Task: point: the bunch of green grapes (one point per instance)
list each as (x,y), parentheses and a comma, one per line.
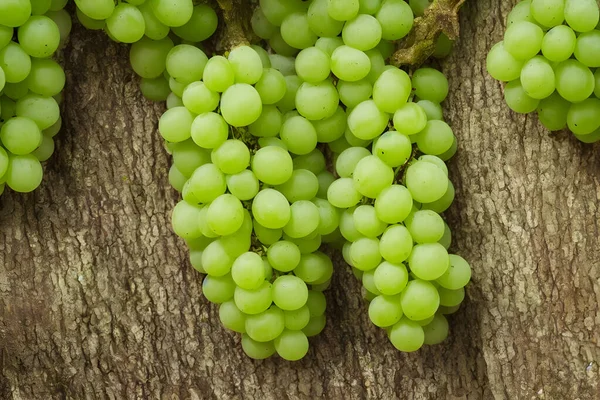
(550,59)
(250,213)
(154,27)
(31,83)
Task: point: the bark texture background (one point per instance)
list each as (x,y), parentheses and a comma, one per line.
(98,301)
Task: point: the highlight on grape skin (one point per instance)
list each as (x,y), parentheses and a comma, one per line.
(548,59)
(247,130)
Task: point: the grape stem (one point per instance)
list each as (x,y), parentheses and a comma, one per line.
(236,18)
(419,45)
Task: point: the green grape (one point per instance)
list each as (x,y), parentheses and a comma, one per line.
(246,65)
(175,124)
(552,112)
(362,32)
(386,47)
(186,63)
(314,326)
(371,176)
(261,25)
(231,157)
(369,6)
(451,298)
(253,301)
(153,27)
(24,173)
(420,300)
(329,217)
(426,182)
(296,32)
(43,110)
(276,10)
(299,135)
(393,204)
(332,128)
(307,245)
(14,13)
(366,121)
(225,215)
(436,138)
(39,36)
(521,12)
(148,57)
(457,275)
(574,81)
(304,219)
(6,35)
(231,317)
(126,24)
(366,221)
(350,64)
(590,138)
(241,105)
(297,319)
(312,65)
(288,102)
(385,310)
(283,255)
(176,178)
(243,185)
(184,220)
(302,185)
(285,65)
(15,63)
(435,160)
(587,49)
(559,43)
(548,13)
(426,226)
(20,135)
(523,40)
(390,279)
(329,44)
(156,89)
(437,330)
(50,132)
(320,22)
(325,179)
(343,10)
(442,204)
(315,101)
(314,268)
(271,87)
(218,74)
(581,15)
(354,93)
(218,289)
(280,46)
(209,130)
(201,25)
(419,6)
(291,345)
(354,141)
(289,292)
(271,209)
(4,161)
(407,335)
(267,157)
(430,84)
(396,19)
(90,23)
(257,350)
(96,9)
(517,100)
(268,124)
(502,66)
(410,119)
(537,78)
(62,19)
(187,156)
(265,326)
(173,13)
(583,118)
(16,91)
(597,83)
(392,90)
(199,99)
(443,46)
(39,7)
(313,161)
(316,303)
(207,183)
(248,271)
(429,261)
(342,193)
(46,78)
(348,230)
(364,254)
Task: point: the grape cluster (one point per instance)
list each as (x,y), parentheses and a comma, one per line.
(31,83)
(550,59)
(160,31)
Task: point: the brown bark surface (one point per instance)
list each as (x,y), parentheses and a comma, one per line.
(98,301)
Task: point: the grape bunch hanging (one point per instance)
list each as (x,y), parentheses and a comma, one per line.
(303,138)
(550,59)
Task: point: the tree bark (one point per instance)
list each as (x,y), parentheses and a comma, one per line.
(98,300)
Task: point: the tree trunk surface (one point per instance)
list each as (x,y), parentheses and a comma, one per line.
(98,300)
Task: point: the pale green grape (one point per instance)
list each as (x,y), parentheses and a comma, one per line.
(218,74)
(261,25)
(316,101)
(299,135)
(329,217)
(241,105)
(246,65)
(442,204)
(574,81)
(209,130)
(280,46)
(153,27)
(96,9)
(371,176)
(271,209)
(430,84)
(342,193)
(354,93)
(265,235)
(364,254)
(426,182)
(148,57)
(362,32)
(218,289)
(199,99)
(420,300)
(396,19)
(187,156)
(590,138)
(537,78)
(39,36)
(407,335)
(523,40)
(207,183)
(15,63)
(419,6)
(231,157)
(581,15)
(185,220)
(312,65)
(271,87)
(268,124)
(20,135)
(302,185)
(283,255)
(291,345)
(520,12)
(396,244)
(437,330)
(288,102)
(517,100)
(304,219)
(347,160)
(126,24)
(330,129)
(502,66)
(243,185)
(297,319)
(350,64)
(366,221)
(176,178)
(231,317)
(429,261)
(392,90)
(266,159)
(201,25)
(314,268)
(289,292)
(24,173)
(559,43)
(587,49)
(41,109)
(583,118)
(253,301)
(248,271)
(316,303)
(436,138)
(257,350)
(329,44)
(276,10)
(343,10)
(457,275)
(4,161)
(6,35)
(451,298)
(265,326)
(313,161)
(314,326)
(426,226)
(325,179)
(62,19)
(320,22)
(548,13)
(285,65)
(225,215)
(186,63)
(552,112)
(173,13)
(410,119)
(393,204)
(14,13)
(175,124)
(366,121)
(385,310)
(90,23)
(390,279)
(156,89)
(296,32)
